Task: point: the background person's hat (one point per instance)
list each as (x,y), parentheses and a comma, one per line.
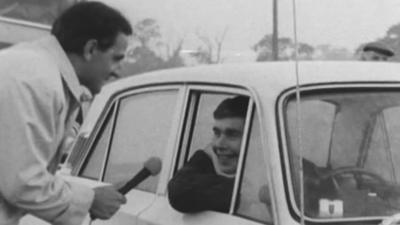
(379,48)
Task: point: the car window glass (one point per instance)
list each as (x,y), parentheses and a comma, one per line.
(92,169)
(383,155)
(254,198)
(320,121)
(360,176)
(141,131)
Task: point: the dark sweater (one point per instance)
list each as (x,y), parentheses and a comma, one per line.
(197,187)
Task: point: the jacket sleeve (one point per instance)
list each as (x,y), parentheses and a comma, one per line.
(196,187)
(28,141)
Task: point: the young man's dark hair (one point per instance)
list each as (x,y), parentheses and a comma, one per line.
(232,107)
(89,20)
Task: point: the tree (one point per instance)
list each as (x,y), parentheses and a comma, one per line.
(147,31)
(306,51)
(286,49)
(264,49)
(174,58)
(209,52)
(146,53)
(329,52)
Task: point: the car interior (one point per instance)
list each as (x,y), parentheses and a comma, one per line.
(348,156)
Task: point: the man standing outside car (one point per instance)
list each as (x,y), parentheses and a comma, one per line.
(376,51)
(40,93)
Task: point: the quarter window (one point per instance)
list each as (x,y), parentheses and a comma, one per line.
(217,138)
(141,131)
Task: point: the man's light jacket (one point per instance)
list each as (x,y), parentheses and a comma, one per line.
(39,96)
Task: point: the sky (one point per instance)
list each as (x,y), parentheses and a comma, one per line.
(341,23)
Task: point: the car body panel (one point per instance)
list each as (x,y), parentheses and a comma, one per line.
(161,212)
(269,85)
(137,202)
(266,83)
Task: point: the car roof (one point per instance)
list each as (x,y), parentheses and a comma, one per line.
(267,80)
(277,76)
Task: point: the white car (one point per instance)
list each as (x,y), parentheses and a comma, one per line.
(321,143)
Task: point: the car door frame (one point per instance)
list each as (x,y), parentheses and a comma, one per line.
(161,204)
(132,208)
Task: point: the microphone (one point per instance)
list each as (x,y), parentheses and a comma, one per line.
(150,168)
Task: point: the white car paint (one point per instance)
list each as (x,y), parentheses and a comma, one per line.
(265,82)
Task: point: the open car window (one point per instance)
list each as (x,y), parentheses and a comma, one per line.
(250,175)
(349,149)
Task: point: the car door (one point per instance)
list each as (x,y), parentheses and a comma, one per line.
(138,125)
(252,173)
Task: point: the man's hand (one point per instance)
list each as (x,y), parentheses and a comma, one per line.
(106,203)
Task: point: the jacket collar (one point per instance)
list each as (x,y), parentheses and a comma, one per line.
(51,45)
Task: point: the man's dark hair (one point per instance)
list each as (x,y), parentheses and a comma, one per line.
(232,107)
(89,20)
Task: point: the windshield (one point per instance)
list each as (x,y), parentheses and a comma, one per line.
(350,152)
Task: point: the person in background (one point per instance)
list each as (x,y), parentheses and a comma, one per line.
(206,181)
(40,95)
(376,51)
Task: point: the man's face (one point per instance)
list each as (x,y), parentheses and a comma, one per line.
(226,142)
(103,65)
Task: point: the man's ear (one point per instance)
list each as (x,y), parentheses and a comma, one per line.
(89,49)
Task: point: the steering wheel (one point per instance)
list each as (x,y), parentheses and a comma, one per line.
(358,174)
(387,192)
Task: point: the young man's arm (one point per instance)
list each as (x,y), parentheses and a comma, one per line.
(196,187)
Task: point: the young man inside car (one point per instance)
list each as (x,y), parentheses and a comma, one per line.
(206,181)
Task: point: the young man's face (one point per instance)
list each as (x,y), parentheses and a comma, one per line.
(226,142)
(104,64)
